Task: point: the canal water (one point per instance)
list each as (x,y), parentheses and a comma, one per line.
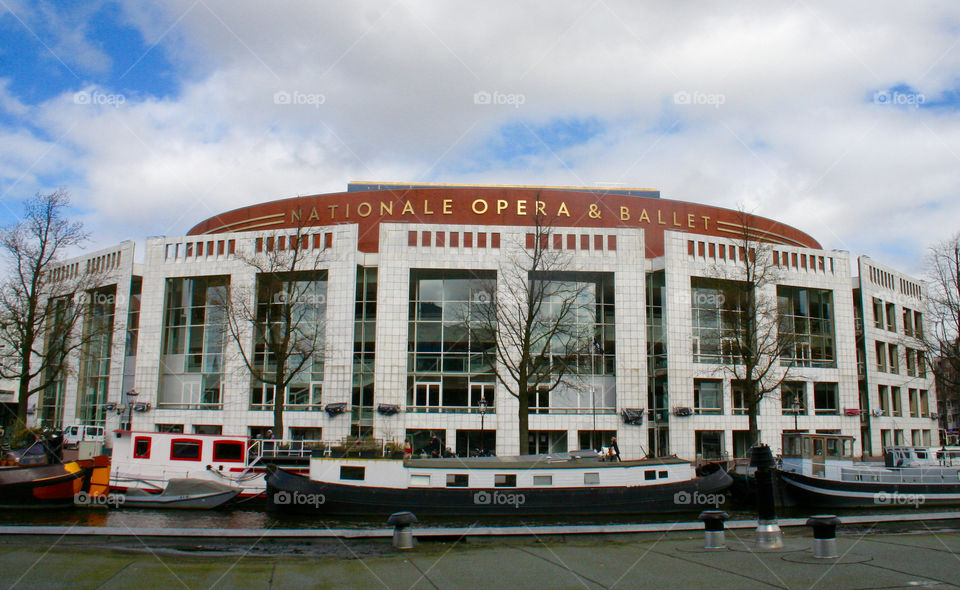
(255,517)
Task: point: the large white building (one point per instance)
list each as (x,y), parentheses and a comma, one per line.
(393,269)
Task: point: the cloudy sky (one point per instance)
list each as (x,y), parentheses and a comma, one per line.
(843,121)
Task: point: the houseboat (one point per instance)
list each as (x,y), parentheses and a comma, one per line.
(565,483)
(148,461)
(819,470)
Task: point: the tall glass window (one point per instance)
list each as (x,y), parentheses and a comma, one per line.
(715,322)
(291,306)
(806,326)
(191,362)
(448,370)
(95,355)
(364,351)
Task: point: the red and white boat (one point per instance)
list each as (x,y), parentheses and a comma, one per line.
(149,460)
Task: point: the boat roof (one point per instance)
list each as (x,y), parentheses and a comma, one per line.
(575,460)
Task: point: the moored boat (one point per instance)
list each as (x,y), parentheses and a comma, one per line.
(181,494)
(51,486)
(819,470)
(561,484)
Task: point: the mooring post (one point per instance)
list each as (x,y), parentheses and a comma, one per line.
(402,532)
(769,535)
(824,535)
(714,536)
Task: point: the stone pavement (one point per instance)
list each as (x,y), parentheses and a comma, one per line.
(871,557)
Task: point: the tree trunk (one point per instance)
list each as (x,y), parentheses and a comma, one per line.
(523,421)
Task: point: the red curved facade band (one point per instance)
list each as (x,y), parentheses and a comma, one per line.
(500,206)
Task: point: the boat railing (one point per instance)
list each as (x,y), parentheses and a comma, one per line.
(921,475)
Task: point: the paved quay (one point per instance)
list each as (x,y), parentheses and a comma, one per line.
(872,556)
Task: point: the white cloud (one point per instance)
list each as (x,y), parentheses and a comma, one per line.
(796,136)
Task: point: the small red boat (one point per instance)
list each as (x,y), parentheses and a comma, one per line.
(53,485)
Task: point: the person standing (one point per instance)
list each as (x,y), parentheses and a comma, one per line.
(614,450)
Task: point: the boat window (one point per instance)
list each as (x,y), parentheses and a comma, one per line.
(458,480)
(818,447)
(352,472)
(543,480)
(227,451)
(141,447)
(420,480)
(185,450)
(650,474)
(921,453)
(663,474)
(505,480)
(591,478)
(807,447)
(833,447)
(74,430)
(847,448)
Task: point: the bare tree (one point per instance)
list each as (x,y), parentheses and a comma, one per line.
(278,325)
(531,321)
(39,307)
(942,341)
(757,346)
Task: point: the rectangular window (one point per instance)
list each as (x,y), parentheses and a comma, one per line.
(458,480)
(924,403)
(793,398)
(505,480)
(419,481)
(708,396)
(826,398)
(892,317)
(881,350)
(650,474)
(914,398)
(877,314)
(884,393)
(350,472)
(897,402)
(918,324)
(806,332)
(228,451)
(543,480)
(141,447)
(716,320)
(908,321)
(591,478)
(910,355)
(709,444)
(894,357)
(185,450)
(740,405)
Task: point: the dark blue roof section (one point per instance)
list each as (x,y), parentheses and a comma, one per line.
(361,186)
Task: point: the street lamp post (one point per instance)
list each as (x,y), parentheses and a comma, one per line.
(483,414)
(796,410)
(131,396)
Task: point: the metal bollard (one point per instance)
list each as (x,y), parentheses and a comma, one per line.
(402,533)
(769,535)
(824,535)
(714,536)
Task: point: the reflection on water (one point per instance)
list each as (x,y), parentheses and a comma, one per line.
(253,517)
